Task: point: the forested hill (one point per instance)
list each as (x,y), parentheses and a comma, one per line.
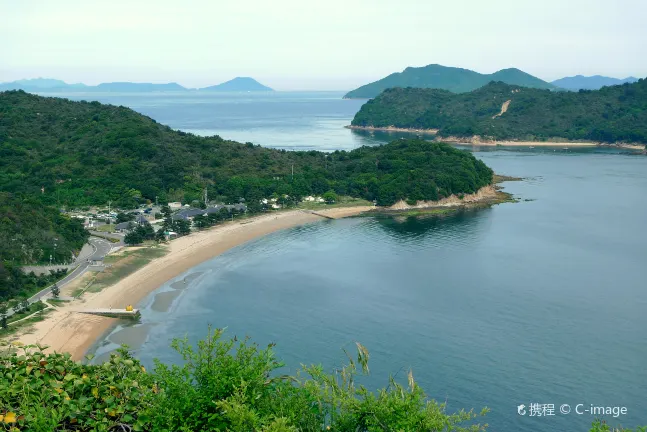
(611,114)
(436,76)
(78,153)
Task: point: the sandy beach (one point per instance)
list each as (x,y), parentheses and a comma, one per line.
(394,129)
(67,330)
(478,142)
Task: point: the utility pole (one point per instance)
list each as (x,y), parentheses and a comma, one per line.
(156,204)
(205,196)
(109,202)
(292,172)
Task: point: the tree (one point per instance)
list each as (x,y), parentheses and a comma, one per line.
(201,222)
(330,197)
(160,235)
(24,305)
(133,238)
(125,217)
(56,291)
(182,227)
(3,315)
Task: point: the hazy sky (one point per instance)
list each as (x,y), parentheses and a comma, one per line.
(325,44)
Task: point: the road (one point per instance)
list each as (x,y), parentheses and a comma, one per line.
(101,249)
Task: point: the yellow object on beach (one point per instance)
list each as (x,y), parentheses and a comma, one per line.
(129,308)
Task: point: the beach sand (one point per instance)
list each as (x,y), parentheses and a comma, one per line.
(65,330)
(483,143)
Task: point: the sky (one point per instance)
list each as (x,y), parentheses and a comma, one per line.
(315,45)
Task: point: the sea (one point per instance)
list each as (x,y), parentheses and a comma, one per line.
(535,309)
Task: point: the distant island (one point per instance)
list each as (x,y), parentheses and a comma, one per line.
(239,84)
(453,79)
(48,85)
(501,111)
(596,82)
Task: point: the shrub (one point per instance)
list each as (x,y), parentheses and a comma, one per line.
(222,385)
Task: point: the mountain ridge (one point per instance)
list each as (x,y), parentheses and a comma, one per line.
(594,82)
(456,80)
(50,85)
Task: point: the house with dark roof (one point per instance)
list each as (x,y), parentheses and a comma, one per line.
(124,226)
(127,226)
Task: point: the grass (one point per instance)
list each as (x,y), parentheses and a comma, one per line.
(24,325)
(55,302)
(34,307)
(77,284)
(124,264)
(106,228)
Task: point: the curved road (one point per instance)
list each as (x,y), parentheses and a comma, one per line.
(101,249)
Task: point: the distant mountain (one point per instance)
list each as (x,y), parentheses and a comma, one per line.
(596,82)
(136,87)
(38,84)
(49,85)
(239,84)
(456,80)
(499,111)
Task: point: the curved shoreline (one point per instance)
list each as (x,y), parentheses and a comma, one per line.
(477,141)
(393,129)
(67,331)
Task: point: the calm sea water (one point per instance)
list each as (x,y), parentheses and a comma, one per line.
(541,301)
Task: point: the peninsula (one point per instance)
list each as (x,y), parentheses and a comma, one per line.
(58,153)
(500,113)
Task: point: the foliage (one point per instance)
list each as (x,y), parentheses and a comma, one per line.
(221,385)
(603,426)
(30,232)
(330,197)
(456,80)
(141,232)
(125,217)
(611,114)
(46,392)
(88,153)
(15,283)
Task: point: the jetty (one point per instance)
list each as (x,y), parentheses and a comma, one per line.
(319,214)
(113,313)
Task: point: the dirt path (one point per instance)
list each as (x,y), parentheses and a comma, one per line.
(504,108)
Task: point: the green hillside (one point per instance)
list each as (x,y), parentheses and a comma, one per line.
(31,233)
(57,153)
(610,114)
(455,80)
(87,153)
